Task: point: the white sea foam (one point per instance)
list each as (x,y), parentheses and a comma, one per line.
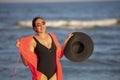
(74,24)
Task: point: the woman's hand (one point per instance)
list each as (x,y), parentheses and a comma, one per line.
(17,43)
(68,37)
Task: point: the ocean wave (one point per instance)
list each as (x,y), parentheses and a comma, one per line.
(74,24)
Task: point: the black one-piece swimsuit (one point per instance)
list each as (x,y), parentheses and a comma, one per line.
(46,58)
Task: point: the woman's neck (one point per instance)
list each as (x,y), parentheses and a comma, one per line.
(42,35)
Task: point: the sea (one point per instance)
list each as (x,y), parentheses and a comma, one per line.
(103,64)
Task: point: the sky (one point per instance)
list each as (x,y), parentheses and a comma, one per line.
(29,1)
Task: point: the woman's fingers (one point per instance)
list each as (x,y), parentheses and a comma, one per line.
(17,43)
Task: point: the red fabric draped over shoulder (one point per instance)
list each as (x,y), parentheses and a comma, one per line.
(31,57)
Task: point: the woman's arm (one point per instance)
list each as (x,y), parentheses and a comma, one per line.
(66,40)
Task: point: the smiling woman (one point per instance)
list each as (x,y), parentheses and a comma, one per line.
(44,52)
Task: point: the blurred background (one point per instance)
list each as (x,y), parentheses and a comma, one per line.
(99,19)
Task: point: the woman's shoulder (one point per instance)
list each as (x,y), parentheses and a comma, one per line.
(26,39)
(53,35)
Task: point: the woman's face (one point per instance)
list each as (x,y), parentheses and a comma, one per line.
(40,26)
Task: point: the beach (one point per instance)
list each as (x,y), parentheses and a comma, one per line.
(103,64)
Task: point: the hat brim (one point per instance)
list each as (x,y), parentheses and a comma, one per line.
(79,47)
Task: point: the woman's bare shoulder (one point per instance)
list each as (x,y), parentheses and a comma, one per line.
(32,44)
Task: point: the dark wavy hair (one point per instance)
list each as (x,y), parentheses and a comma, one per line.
(34,20)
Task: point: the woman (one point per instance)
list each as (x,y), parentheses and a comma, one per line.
(41,52)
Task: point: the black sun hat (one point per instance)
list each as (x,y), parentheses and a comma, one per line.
(79,47)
